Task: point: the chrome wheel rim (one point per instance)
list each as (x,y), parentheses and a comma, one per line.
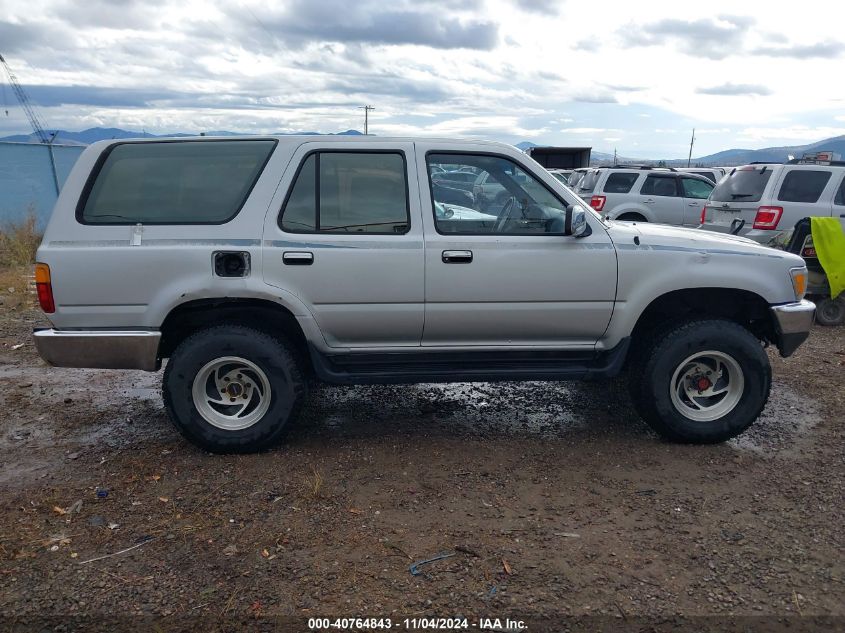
(231,393)
(707,386)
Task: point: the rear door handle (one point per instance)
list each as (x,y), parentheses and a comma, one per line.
(648,201)
(298,258)
(693,204)
(457,257)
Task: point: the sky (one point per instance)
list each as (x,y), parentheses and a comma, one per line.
(630,76)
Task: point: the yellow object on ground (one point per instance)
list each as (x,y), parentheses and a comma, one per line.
(829,242)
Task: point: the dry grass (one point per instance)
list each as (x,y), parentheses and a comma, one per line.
(314,485)
(18,242)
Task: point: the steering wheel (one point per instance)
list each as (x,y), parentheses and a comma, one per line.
(504,215)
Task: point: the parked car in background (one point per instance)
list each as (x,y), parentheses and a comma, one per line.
(561,174)
(455,179)
(712,173)
(451,195)
(646,194)
(576,176)
(767,200)
(490,192)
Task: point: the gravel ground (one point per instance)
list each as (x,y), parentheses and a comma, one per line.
(555,499)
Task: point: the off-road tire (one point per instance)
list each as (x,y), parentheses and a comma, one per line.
(659,354)
(270,353)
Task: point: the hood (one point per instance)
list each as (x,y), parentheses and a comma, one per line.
(662,236)
(693,239)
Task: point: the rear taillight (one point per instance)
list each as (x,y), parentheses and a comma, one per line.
(597,202)
(767,218)
(703,215)
(44,288)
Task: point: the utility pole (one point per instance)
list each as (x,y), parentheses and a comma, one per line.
(691,141)
(614,157)
(366,109)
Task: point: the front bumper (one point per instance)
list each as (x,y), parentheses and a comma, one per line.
(793,322)
(99,349)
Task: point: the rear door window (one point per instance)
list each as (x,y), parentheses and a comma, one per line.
(697,189)
(349,192)
(167,182)
(743,184)
(802,185)
(655,185)
(840,194)
(620,182)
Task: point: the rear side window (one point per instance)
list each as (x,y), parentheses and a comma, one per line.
(349,192)
(659,186)
(743,184)
(620,182)
(184,182)
(697,189)
(840,194)
(803,185)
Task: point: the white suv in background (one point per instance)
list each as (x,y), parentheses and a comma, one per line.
(712,173)
(646,194)
(767,200)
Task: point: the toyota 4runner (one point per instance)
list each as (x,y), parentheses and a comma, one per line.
(256,266)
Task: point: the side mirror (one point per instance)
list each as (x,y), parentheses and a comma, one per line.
(576,222)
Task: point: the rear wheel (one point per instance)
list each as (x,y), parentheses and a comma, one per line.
(700,382)
(831,311)
(232,389)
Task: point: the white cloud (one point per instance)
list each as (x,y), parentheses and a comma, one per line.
(442,67)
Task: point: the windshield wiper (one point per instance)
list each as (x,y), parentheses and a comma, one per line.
(741,195)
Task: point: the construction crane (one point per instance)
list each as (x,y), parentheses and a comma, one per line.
(26,104)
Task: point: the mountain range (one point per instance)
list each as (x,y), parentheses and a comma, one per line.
(725,158)
(728,157)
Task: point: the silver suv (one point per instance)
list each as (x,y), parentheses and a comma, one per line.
(646,194)
(765,201)
(714,174)
(251,267)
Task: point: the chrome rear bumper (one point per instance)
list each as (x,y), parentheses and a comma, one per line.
(793,322)
(99,349)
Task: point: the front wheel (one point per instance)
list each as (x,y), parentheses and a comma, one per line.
(232,389)
(701,382)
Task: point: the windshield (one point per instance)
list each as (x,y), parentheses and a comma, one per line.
(743,184)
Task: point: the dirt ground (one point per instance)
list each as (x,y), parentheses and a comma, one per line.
(554,498)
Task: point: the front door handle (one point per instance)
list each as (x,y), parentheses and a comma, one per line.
(298,258)
(457,257)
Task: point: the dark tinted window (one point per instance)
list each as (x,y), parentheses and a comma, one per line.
(801,185)
(620,182)
(186,182)
(659,186)
(301,209)
(840,194)
(697,189)
(743,184)
(357,192)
